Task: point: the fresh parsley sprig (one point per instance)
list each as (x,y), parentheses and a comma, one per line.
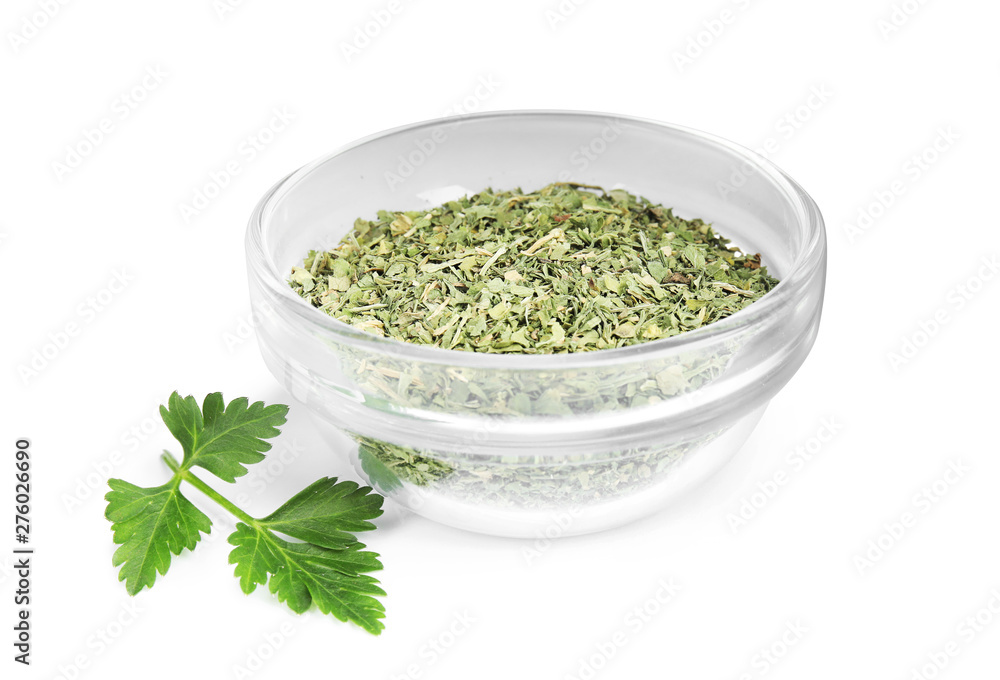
(326,565)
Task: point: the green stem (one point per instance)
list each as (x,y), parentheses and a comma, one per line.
(190,478)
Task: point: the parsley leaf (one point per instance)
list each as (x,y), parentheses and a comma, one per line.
(302,573)
(316,571)
(151,524)
(329,567)
(325,512)
(377,471)
(222,439)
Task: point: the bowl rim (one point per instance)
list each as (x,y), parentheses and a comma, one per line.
(807,261)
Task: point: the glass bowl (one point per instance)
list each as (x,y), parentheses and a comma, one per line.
(539,445)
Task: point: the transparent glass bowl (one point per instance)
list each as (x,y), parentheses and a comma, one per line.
(539,445)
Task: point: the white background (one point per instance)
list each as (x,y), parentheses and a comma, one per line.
(890,92)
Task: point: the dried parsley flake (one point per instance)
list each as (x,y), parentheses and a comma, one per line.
(559,270)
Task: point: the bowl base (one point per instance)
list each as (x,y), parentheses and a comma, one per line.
(550,523)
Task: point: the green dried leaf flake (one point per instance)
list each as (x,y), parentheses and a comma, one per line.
(567,268)
(491,272)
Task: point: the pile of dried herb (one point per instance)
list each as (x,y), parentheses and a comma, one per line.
(568,268)
(559,270)
(534,481)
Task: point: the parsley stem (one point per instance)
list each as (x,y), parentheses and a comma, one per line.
(189,477)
